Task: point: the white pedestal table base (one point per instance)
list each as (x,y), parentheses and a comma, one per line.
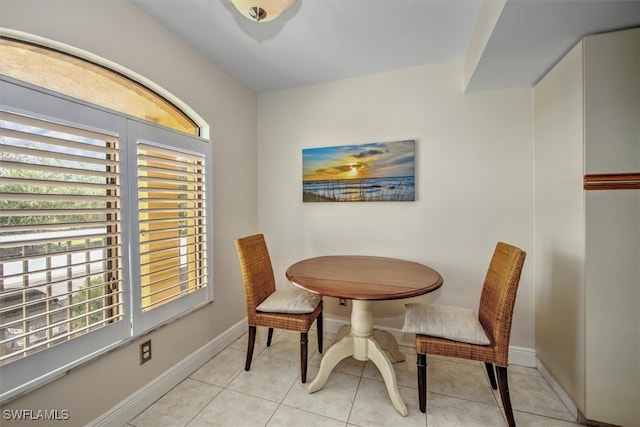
(361,342)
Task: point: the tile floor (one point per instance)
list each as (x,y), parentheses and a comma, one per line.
(221,393)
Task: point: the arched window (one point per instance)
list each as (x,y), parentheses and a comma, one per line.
(105,213)
(90,82)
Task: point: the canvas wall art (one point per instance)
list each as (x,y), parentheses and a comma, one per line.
(372,172)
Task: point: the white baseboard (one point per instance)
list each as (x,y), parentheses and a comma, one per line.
(126,410)
(557,388)
(520,356)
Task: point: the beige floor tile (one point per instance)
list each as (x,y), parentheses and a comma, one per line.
(406,372)
(261,340)
(286,416)
(533,394)
(334,400)
(447,411)
(178,406)
(524,370)
(530,420)
(461,380)
(231,408)
(286,345)
(373,407)
(222,369)
(316,358)
(348,365)
(269,378)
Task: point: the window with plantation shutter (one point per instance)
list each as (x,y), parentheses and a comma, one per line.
(105,231)
(60,241)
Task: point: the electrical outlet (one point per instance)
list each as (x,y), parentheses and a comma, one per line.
(343,301)
(145,352)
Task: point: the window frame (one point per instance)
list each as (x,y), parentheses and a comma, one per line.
(24,374)
(147,320)
(70,65)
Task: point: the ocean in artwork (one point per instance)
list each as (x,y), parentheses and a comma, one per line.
(396,189)
(372,172)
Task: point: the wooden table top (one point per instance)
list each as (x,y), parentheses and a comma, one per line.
(364,277)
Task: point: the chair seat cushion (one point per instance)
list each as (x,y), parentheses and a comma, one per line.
(293,301)
(443,321)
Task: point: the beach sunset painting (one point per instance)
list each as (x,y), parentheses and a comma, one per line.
(372,172)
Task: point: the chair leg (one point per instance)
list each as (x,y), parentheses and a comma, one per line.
(422,381)
(269,337)
(504,395)
(251,341)
(492,375)
(320,329)
(303,356)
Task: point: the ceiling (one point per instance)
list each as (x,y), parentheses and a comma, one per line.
(322,40)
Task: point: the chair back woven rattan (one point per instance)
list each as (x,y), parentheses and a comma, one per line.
(257,272)
(495,314)
(259,283)
(499,296)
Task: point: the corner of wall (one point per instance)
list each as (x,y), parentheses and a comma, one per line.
(489,15)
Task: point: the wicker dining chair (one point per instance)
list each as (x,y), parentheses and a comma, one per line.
(458,332)
(290,309)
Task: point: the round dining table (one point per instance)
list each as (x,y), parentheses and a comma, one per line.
(363,280)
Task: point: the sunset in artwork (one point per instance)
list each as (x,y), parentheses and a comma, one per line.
(379,171)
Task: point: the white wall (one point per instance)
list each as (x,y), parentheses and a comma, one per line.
(118,31)
(474,180)
(560,224)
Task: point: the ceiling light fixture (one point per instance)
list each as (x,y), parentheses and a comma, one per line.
(262,10)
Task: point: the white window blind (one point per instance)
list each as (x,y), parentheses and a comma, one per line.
(60,240)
